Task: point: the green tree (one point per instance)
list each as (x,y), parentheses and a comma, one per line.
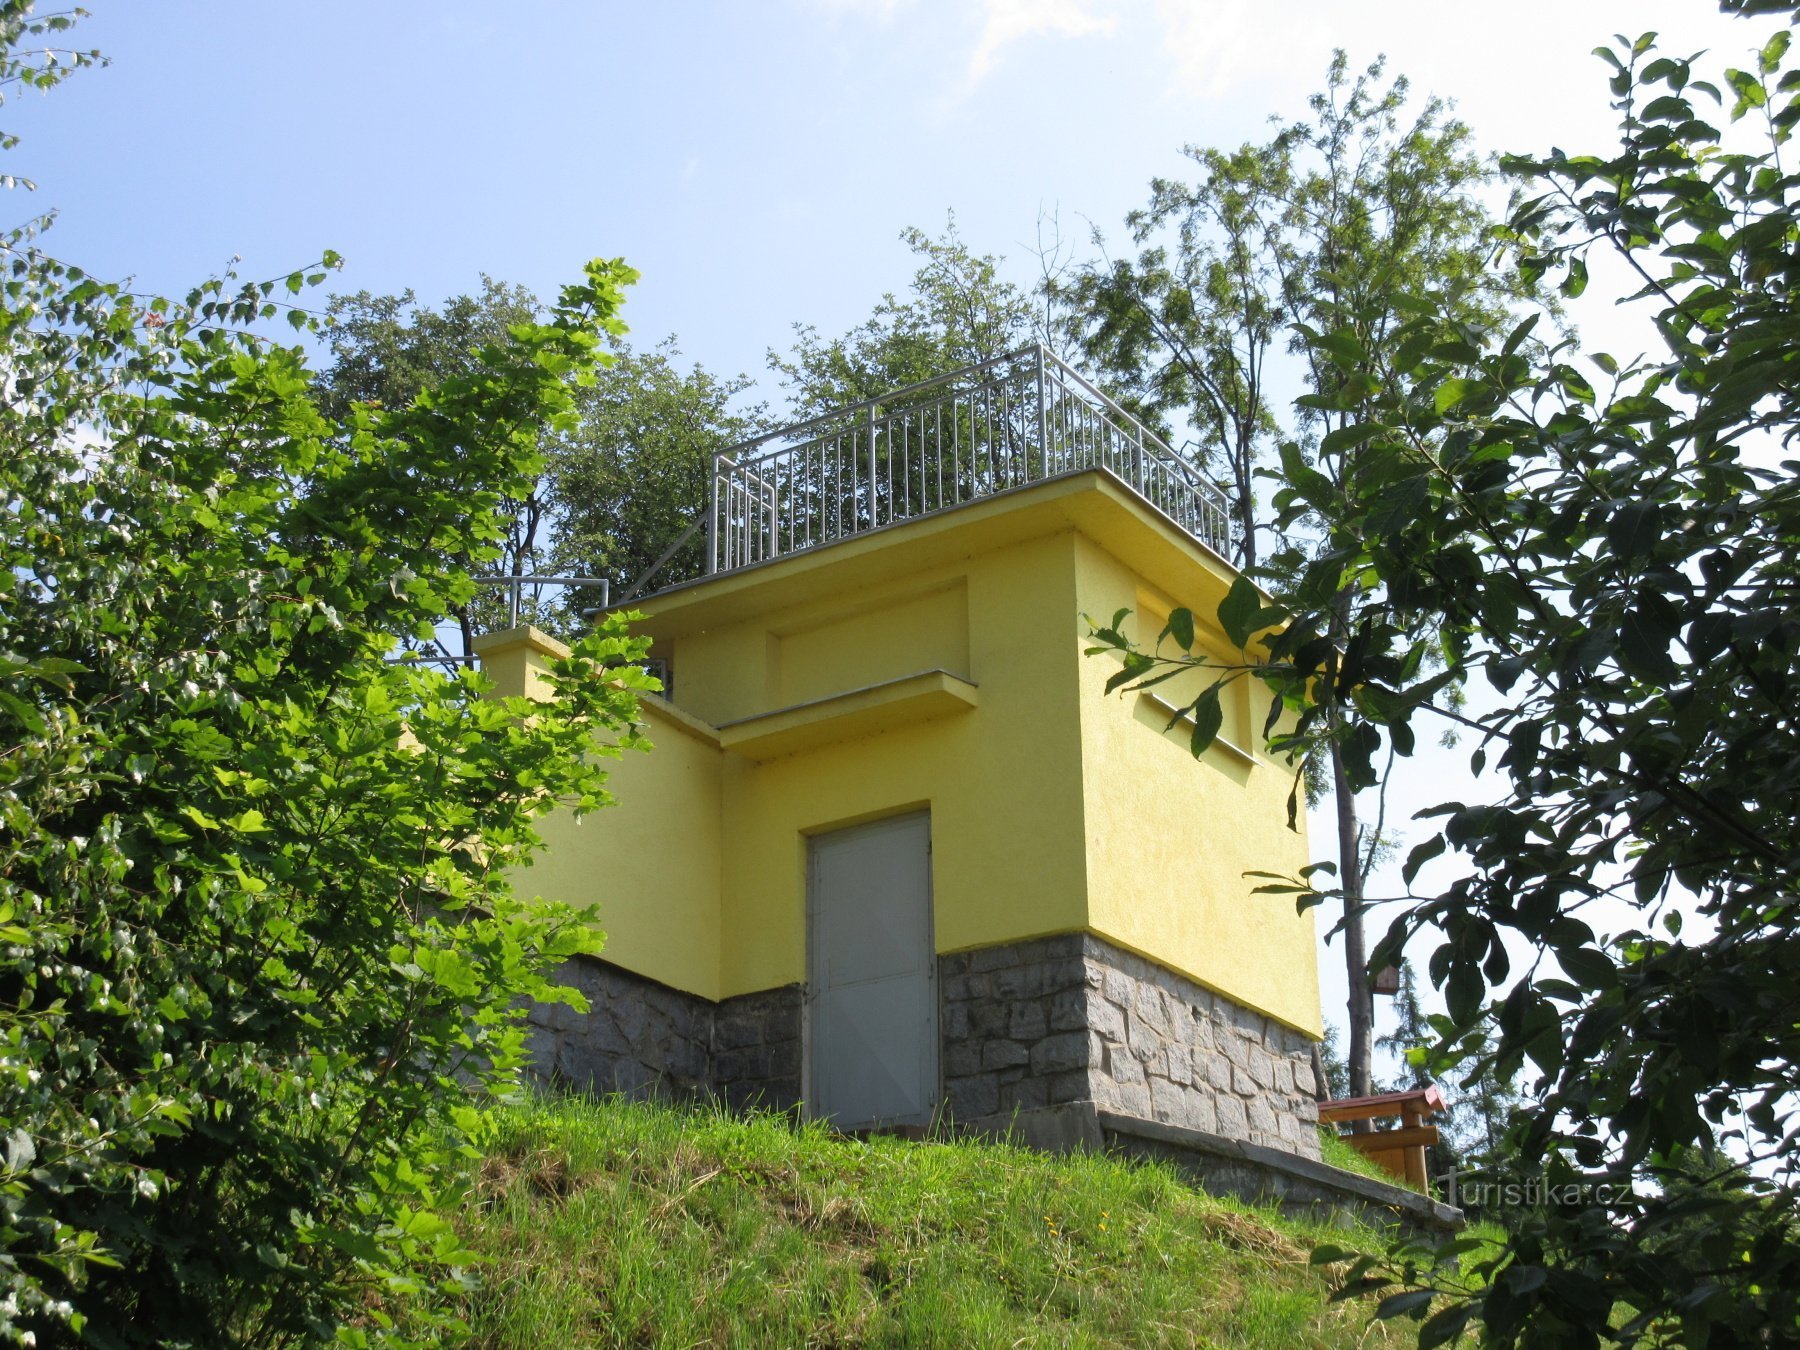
(1480,1101)
(386,350)
(1413,1034)
(902,450)
(1189,328)
(960,311)
(1328,1062)
(1611,549)
(1321,228)
(619,486)
(1486,1097)
(263,965)
(630,480)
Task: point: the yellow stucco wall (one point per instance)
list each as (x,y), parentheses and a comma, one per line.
(1170,838)
(1054,809)
(824,649)
(1001,781)
(652,861)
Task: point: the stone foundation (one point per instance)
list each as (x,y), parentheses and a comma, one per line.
(756,1049)
(1068,1019)
(1028,1030)
(642,1038)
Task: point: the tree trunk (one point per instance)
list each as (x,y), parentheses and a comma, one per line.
(1356,957)
(1242,465)
(466,625)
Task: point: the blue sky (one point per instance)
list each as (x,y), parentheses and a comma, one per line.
(754,160)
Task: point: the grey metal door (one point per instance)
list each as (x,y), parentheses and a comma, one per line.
(872,975)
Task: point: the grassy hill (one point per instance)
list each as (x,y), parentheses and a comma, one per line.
(609,1223)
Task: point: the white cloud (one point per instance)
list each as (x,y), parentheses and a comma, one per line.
(1215,46)
(996,24)
(1010,21)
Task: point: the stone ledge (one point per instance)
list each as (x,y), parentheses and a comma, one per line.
(1220,1166)
(1288,1178)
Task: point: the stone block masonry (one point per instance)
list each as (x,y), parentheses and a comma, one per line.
(1036,1036)
(642,1039)
(1030,1029)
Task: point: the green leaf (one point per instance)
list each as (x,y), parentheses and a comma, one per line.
(1451,393)
(1542,1035)
(1181,628)
(1409,1302)
(19,1150)
(1709,635)
(1668,108)
(1136,665)
(1240,611)
(1348,438)
(1445,1325)
(1634,530)
(1421,855)
(1587,966)
(1524,1279)
(1769,59)
(1399,506)
(1644,639)
(1463,993)
(1208,718)
(1749,90)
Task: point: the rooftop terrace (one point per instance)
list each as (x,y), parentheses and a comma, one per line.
(929,447)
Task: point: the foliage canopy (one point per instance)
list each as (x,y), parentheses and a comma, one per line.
(959,311)
(620,483)
(1611,549)
(261,956)
(1605,553)
(1321,228)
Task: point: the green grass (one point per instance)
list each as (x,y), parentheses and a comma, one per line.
(611,1223)
(1333,1150)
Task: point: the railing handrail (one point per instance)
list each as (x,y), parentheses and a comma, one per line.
(791,430)
(1089,387)
(847,436)
(790,433)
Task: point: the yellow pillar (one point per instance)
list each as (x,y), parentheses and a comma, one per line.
(518,661)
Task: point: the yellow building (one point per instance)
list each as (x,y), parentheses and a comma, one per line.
(896,855)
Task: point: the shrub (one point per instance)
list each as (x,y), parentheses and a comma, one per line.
(262,960)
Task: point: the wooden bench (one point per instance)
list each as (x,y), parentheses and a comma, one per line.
(1401,1150)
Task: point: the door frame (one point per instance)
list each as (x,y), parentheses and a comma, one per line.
(809,993)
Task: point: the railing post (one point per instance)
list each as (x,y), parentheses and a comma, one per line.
(712,517)
(1043,418)
(874,501)
(717,535)
(774,530)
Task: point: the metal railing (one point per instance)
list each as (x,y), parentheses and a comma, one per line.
(1017,419)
